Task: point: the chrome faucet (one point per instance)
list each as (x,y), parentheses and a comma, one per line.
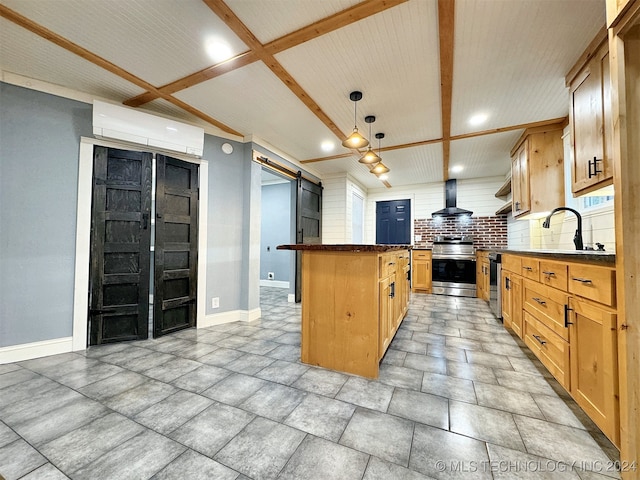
(577,237)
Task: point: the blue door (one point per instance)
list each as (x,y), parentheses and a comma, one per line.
(393,222)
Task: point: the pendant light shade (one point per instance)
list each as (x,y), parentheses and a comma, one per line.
(370,157)
(355,140)
(379,168)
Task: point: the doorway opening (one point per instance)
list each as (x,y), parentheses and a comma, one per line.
(305,214)
(277,227)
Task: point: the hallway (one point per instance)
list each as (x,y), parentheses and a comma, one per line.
(457,397)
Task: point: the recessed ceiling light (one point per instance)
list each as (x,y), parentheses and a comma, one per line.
(327,146)
(478,119)
(218,50)
(457,169)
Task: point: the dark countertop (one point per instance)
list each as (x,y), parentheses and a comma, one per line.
(588,256)
(344,247)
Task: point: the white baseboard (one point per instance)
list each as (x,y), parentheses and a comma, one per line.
(27,351)
(291,298)
(228,317)
(274,283)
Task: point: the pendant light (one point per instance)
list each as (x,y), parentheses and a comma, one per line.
(370,157)
(355,140)
(379,168)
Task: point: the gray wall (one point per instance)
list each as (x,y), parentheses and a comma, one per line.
(225,227)
(275,230)
(39,148)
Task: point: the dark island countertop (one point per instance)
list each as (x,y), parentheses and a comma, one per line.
(597,257)
(319,247)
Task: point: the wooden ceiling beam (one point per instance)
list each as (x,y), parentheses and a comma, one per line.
(562,121)
(338,20)
(91,57)
(446,22)
(333,22)
(208,73)
(240,29)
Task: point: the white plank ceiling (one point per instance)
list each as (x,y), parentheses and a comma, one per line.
(509,63)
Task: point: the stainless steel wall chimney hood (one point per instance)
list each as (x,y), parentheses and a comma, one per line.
(450,194)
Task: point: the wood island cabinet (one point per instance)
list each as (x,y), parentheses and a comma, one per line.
(591,125)
(354,298)
(421,271)
(565,313)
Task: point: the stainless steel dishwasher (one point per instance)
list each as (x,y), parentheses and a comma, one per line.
(495,292)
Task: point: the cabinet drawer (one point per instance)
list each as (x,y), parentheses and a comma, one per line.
(552,350)
(512,264)
(403,260)
(530,268)
(388,263)
(592,282)
(421,254)
(548,305)
(553,274)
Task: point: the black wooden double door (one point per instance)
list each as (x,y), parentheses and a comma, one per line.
(121,237)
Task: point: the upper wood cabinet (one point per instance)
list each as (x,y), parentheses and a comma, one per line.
(537,170)
(520,180)
(591,125)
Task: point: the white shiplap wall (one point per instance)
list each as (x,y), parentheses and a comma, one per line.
(334,206)
(337,207)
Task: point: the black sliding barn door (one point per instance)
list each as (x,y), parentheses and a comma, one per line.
(176,245)
(308,222)
(120,236)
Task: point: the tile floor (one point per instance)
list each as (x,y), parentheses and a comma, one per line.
(457,397)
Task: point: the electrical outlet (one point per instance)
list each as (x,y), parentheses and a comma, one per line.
(215,302)
(270,276)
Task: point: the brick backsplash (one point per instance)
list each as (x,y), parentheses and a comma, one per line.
(488,232)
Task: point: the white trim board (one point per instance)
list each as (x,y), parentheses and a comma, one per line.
(27,351)
(83,233)
(229,317)
(273,283)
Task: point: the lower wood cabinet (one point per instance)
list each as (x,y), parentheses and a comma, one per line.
(421,271)
(594,365)
(564,312)
(551,349)
(482,275)
(512,301)
(387,285)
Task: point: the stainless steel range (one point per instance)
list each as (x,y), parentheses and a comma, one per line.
(454,266)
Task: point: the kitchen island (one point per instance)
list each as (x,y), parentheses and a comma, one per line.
(354,298)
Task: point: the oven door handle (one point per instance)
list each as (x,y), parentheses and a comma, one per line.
(453,257)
